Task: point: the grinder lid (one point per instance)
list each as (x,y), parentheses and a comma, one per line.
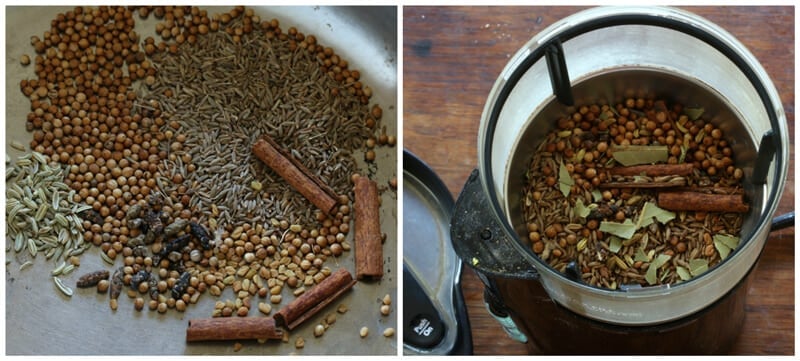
(434,313)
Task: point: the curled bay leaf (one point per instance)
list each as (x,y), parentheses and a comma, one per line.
(725,244)
(640,256)
(698,266)
(683,273)
(694,113)
(628,155)
(565,181)
(722,248)
(650,211)
(614,244)
(582,211)
(652,270)
(729,241)
(650,275)
(661,260)
(625,229)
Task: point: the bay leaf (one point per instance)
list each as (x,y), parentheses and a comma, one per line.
(596,195)
(565,181)
(698,266)
(614,244)
(581,210)
(722,248)
(683,273)
(694,113)
(640,154)
(730,241)
(640,256)
(652,270)
(625,229)
(725,244)
(650,275)
(660,260)
(650,211)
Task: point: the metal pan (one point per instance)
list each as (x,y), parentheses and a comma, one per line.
(40,320)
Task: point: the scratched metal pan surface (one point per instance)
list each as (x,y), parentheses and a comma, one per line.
(42,321)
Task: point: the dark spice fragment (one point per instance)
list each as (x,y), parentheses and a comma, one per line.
(92,279)
(201,234)
(181,285)
(152,225)
(92,216)
(175,245)
(153,289)
(116,283)
(139,277)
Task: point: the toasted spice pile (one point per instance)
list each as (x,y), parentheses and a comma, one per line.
(612,195)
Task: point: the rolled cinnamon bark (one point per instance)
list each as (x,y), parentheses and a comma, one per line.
(678,182)
(315,299)
(653,170)
(297,175)
(232,328)
(702,202)
(368,243)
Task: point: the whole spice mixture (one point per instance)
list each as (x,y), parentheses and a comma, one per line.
(145,148)
(641,193)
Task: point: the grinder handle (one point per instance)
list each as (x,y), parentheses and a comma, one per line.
(782,221)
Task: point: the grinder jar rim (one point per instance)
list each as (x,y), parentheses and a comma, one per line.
(560,287)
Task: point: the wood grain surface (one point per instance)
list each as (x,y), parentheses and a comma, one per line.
(452,57)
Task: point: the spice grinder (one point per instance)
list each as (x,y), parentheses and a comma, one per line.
(605,55)
(434,313)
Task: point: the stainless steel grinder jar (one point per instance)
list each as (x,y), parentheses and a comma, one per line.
(608,54)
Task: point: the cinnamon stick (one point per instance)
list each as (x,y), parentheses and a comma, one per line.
(702,202)
(677,182)
(653,170)
(368,243)
(232,328)
(314,300)
(297,175)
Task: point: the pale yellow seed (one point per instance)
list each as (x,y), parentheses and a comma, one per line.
(265,308)
(385,310)
(363,332)
(319,330)
(299,343)
(387,300)
(17,145)
(389,332)
(330,319)
(582,244)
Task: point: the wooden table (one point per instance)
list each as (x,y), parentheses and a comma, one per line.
(452,57)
